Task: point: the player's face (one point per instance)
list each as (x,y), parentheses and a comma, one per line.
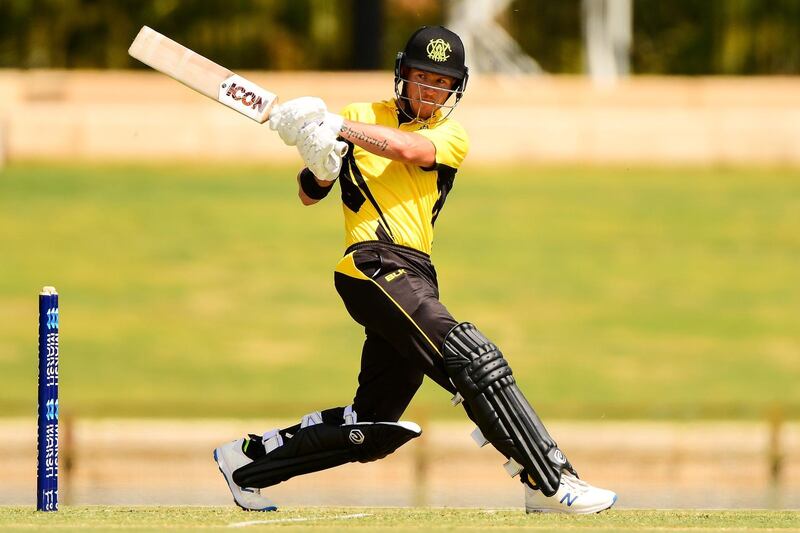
(427,91)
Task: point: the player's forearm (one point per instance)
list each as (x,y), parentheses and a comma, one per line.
(304,198)
(311,190)
(391,143)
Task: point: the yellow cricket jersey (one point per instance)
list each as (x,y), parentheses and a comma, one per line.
(396,202)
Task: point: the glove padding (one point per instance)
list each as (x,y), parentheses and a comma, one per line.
(290,118)
(320,150)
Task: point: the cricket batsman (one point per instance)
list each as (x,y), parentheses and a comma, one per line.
(399,167)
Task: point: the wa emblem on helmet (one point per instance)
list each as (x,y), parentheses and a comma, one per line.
(437,49)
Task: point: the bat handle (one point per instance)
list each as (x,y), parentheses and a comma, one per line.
(341,148)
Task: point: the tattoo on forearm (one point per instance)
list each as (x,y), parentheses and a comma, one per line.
(380,144)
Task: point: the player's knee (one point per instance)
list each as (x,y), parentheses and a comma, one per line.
(472,361)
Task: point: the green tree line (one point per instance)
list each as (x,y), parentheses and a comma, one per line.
(736,37)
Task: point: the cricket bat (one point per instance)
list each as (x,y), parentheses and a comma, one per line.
(201,74)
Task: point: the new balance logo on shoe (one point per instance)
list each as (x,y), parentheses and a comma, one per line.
(570,499)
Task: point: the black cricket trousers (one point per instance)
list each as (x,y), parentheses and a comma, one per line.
(392,291)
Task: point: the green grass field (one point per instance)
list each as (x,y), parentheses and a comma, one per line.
(369,519)
(207,290)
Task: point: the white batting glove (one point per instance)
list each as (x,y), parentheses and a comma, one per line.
(321,152)
(333,122)
(291,117)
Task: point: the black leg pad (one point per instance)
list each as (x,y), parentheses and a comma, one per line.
(496,404)
(324,446)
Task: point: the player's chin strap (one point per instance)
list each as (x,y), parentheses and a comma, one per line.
(504,417)
(317,445)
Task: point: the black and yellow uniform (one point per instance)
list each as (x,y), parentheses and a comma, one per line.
(396,202)
(389,286)
(386,278)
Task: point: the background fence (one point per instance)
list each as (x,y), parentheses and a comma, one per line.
(650,464)
(665,121)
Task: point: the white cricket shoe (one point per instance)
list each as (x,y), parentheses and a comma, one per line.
(573,496)
(230,457)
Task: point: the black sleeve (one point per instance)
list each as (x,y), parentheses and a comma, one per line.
(310,187)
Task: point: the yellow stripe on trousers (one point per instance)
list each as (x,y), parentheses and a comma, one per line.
(347,266)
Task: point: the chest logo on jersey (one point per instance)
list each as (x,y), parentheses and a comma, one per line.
(394,275)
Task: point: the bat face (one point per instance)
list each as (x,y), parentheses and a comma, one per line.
(201,74)
(246,97)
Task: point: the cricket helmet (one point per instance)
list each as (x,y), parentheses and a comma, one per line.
(433,49)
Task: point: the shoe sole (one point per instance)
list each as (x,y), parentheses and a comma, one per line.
(218,460)
(593,510)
